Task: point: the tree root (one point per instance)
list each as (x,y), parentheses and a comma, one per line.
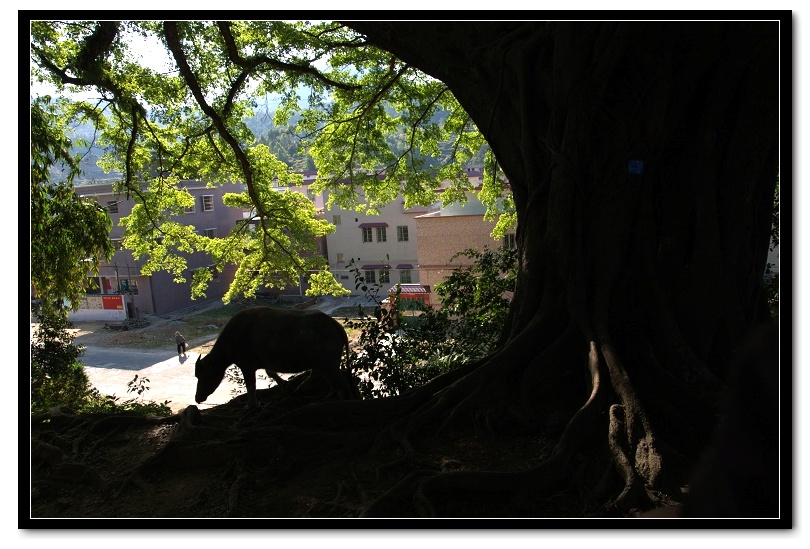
(389,503)
(241,480)
(136,481)
(630,450)
(286,436)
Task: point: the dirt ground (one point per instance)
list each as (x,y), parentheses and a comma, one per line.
(81,470)
(103,479)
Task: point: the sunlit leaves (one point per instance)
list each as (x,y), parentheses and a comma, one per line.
(398,131)
(500,204)
(323,283)
(369,121)
(69,238)
(69,234)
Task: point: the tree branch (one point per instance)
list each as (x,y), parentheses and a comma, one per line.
(256,61)
(173,42)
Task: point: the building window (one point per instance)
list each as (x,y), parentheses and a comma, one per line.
(509,242)
(381,234)
(189,210)
(402,233)
(371,277)
(118,244)
(367,234)
(208,202)
(112,207)
(214,273)
(129,286)
(405,276)
(211,233)
(339,257)
(385,276)
(336,220)
(92,286)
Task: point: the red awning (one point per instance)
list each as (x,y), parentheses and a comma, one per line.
(408,289)
(371,225)
(375,266)
(404,266)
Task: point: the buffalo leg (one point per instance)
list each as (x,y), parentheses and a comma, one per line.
(279,381)
(337,383)
(250,385)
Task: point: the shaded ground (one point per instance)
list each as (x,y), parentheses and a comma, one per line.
(117,467)
(83,471)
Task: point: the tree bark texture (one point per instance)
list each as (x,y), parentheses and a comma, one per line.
(643,158)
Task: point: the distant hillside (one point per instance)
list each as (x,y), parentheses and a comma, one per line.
(261,124)
(91,173)
(281,140)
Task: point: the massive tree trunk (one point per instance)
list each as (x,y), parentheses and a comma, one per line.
(643,159)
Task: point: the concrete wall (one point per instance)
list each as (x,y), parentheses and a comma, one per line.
(773,259)
(96,307)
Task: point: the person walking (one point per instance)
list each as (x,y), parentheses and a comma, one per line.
(181,343)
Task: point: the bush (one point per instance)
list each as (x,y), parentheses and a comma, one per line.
(57,377)
(391,360)
(111,404)
(771,288)
(395,357)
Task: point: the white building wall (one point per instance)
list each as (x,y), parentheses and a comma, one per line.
(97,307)
(400,256)
(347,244)
(309,178)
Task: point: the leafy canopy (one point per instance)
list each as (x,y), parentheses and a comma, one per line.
(367,119)
(69,234)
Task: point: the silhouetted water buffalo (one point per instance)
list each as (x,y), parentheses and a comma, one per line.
(286,341)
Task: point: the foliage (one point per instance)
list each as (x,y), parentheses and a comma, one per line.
(69,234)
(398,352)
(475,299)
(366,119)
(286,145)
(111,404)
(771,287)
(324,283)
(57,376)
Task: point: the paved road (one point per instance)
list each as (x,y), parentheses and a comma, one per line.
(170,377)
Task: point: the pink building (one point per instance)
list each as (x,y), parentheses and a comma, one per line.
(156,294)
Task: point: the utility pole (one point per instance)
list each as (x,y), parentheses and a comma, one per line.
(131,299)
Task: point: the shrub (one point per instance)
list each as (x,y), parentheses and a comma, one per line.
(111,404)
(395,357)
(57,377)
